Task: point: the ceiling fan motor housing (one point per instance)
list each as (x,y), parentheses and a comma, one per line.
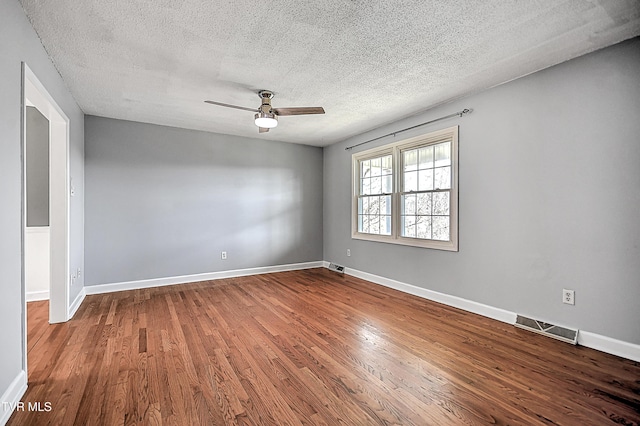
(266,96)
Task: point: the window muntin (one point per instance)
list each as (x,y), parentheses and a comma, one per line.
(406,192)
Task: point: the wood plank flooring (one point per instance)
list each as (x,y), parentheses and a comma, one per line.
(309,347)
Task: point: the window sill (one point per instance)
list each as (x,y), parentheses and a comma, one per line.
(404,241)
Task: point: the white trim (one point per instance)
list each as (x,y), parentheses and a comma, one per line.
(455,301)
(609,345)
(77,302)
(12,396)
(35,93)
(37,264)
(34,296)
(185,279)
(585,338)
(36,230)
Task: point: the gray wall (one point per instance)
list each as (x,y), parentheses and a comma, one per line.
(549,198)
(37,164)
(164,202)
(18,43)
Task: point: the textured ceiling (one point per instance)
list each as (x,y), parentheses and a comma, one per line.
(366,62)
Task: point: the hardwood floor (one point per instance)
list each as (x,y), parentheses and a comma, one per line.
(309,347)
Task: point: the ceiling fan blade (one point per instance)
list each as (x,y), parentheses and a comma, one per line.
(299,110)
(263,129)
(232,106)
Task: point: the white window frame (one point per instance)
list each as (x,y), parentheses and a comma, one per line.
(395,149)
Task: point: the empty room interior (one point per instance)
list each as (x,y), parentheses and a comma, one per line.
(339,212)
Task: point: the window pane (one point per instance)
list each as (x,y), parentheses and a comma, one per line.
(423,204)
(387,185)
(376,185)
(426,158)
(443,154)
(441,203)
(374,214)
(376,166)
(442,178)
(387,161)
(425,180)
(408,226)
(440,226)
(385,225)
(365,223)
(410,181)
(409,204)
(374,224)
(376,175)
(365,167)
(365,188)
(374,205)
(385,204)
(410,160)
(423,227)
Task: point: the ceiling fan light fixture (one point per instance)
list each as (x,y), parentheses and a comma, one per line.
(266,120)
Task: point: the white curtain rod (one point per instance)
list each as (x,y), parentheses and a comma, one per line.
(459,114)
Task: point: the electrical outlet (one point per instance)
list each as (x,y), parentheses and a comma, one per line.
(348,252)
(568,297)
(223,256)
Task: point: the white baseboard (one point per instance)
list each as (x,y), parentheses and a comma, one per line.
(34,296)
(184,279)
(77,302)
(591,340)
(456,302)
(12,396)
(37,265)
(609,345)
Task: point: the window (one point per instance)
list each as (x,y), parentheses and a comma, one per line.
(374,202)
(407,192)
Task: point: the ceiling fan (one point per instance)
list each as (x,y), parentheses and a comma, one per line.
(266,116)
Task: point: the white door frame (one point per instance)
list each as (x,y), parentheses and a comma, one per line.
(59,186)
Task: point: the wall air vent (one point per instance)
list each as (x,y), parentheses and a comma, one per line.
(336,268)
(561,333)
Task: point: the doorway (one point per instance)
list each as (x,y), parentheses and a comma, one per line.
(35,94)
(37,236)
